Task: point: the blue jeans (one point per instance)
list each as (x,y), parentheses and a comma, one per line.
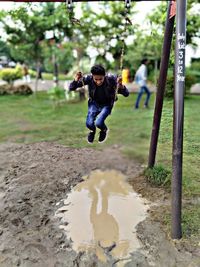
(96,116)
(142,90)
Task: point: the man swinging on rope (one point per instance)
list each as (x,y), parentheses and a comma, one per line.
(102,95)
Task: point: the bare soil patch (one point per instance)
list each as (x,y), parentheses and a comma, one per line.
(34,177)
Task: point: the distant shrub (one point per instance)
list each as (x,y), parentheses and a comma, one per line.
(47,76)
(10,75)
(32,73)
(169,88)
(56,93)
(22,89)
(194,69)
(4,89)
(190,79)
(158,175)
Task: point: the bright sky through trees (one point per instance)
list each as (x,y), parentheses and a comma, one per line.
(142,8)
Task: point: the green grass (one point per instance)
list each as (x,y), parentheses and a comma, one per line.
(49,76)
(190,222)
(191,145)
(158,176)
(33,118)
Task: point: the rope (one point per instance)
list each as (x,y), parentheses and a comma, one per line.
(70,8)
(73,20)
(122,55)
(127,22)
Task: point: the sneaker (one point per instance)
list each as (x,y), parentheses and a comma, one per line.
(90,137)
(103,136)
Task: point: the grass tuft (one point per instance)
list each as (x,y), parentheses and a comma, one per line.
(158,175)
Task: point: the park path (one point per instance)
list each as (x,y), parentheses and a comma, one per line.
(47,84)
(132,87)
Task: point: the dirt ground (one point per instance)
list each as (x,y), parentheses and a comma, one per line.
(34,177)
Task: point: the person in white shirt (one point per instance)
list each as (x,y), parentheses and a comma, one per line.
(141,80)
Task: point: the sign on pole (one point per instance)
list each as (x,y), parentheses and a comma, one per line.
(178,118)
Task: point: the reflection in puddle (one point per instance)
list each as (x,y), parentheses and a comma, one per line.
(102,213)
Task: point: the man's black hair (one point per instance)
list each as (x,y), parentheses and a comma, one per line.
(98,70)
(144,60)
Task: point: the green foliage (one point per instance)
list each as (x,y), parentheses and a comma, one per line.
(10,75)
(195,65)
(56,93)
(194,69)
(48,76)
(157,20)
(190,79)
(105,31)
(63,54)
(169,88)
(26,35)
(193,21)
(158,175)
(32,73)
(4,49)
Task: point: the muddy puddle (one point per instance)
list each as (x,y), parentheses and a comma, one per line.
(100,215)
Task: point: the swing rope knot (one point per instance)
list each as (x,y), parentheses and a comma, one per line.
(127,4)
(69,4)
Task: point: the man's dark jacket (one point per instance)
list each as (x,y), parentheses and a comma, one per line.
(109,85)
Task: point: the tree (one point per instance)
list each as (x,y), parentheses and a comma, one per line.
(149,43)
(4,49)
(104,31)
(193,19)
(27,35)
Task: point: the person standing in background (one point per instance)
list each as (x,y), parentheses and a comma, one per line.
(26,76)
(141,80)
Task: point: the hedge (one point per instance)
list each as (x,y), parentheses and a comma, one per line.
(190,79)
(22,89)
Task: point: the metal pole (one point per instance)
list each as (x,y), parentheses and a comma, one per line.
(169,26)
(176,232)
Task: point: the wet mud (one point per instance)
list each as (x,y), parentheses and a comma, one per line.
(108,210)
(34,182)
